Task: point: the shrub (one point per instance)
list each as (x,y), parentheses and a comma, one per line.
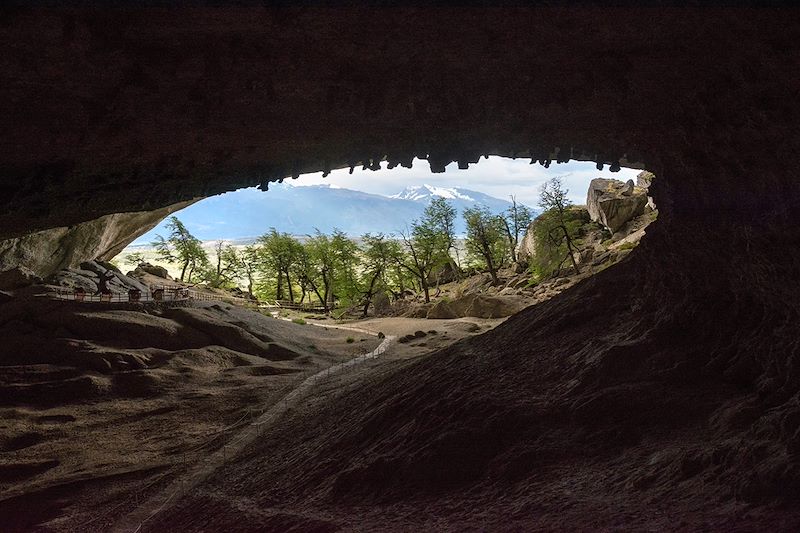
(628,246)
(350,340)
(299,321)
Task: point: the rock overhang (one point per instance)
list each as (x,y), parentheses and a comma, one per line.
(121,110)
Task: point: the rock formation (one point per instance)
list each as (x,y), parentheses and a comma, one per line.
(613,203)
(154,270)
(40,254)
(672,377)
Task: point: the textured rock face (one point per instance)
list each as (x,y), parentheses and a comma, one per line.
(613,203)
(45,252)
(526,246)
(693,336)
(87,278)
(153,270)
(476,305)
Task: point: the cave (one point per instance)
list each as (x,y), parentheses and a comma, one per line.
(661,393)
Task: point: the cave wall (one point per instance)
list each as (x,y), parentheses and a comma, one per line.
(42,253)
(122,110)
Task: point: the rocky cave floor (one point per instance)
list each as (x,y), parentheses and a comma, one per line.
(557,418)
(102,405)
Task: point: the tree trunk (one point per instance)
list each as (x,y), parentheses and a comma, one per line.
(279,290)
(492,269)
(370,294)
(289,286)
(571,250)
(183,270)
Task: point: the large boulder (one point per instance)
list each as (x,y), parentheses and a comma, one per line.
(526,247)
(88,275)
(612,203)
(153,270)
(643,180)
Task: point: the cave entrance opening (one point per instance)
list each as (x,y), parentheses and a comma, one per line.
(404,239)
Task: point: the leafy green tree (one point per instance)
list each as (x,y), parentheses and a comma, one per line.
(516,220)
(379,254)
(428,243)
(248,266)
(346,261)
(329,266)
(134,259)
(226,268)
(556,230)
(486,241)
(423,245)
(440,215)
(279,252)
(313,268)
(181,247)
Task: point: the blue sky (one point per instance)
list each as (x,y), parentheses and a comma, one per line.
(496,176)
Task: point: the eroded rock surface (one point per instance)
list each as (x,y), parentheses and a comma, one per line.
(613,203)
(664,387)
(43,253)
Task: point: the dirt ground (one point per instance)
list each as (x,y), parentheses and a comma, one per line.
(101,407)
(74,439)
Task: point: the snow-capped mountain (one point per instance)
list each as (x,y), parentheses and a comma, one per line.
(460,198)
(426,192)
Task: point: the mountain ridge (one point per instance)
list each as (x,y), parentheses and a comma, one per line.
(300,210)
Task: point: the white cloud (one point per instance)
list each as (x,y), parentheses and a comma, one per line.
(496,176)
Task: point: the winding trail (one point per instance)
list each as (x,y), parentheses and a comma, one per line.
(196,473)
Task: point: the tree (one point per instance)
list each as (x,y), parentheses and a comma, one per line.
(346,264)
(557,228)
(379,254)
(441,216)
(226,268)
(181,247)
(248,265)
(329,267)
(134,259)
(428,243)
(485,238)
(423,244)
(280,251)
(516,220)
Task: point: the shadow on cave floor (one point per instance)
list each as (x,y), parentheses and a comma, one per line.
(603,408)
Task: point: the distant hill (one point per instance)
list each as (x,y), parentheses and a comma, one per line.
(247,213)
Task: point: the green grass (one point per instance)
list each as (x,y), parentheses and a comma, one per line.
(628,246)
(350,340)
(299,321)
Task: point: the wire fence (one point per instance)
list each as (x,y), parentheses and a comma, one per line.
(156,293)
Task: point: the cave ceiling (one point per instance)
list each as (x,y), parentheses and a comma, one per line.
(112,110)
